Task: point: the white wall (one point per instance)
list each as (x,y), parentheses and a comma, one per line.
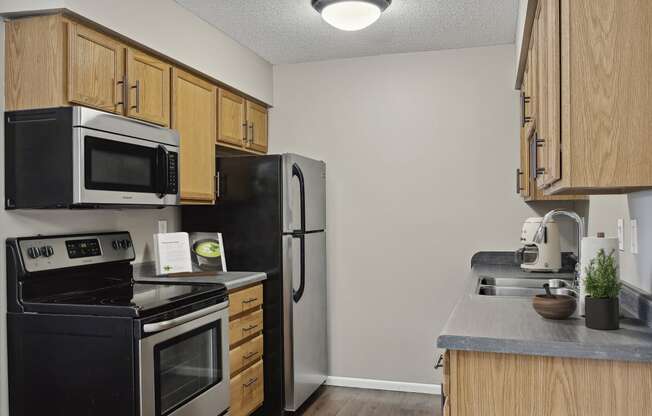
(141,223)
(170,29)
(605,210)
(421,151)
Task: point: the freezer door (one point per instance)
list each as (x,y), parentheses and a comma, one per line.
(305,348)
(301,173)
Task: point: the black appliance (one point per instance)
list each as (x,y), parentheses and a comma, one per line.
(80,157)
(271,213)
(85,339)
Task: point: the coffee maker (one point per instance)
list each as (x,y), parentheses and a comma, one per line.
(540,257)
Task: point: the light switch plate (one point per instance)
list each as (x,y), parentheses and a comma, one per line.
(633,236)
(162,226)
(621,234)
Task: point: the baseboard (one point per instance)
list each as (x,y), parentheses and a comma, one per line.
(366,383)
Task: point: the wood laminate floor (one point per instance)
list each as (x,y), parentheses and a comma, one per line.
(341,401)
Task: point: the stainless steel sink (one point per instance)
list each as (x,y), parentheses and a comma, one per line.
(521,291)
(523,286)
(523,282)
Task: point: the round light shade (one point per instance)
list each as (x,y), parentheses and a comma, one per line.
(350,15)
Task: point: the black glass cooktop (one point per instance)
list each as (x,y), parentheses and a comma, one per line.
(127,299)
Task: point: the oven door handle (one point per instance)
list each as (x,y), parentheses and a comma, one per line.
(163,325)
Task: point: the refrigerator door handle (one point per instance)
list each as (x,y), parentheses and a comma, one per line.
(297,294)
(296,171)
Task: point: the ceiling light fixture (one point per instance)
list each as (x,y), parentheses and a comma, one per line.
(350,15)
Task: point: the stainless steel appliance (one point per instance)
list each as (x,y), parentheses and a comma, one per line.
(272,216)
(77,156)
(84,338)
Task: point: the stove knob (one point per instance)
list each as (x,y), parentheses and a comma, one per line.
(128,243)
(33,252)
(115,244)
(46,251)
(123,244)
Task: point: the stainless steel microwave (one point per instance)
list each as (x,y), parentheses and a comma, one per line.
(80,157)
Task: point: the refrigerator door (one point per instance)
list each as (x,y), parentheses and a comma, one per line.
(310,175)
(306,354)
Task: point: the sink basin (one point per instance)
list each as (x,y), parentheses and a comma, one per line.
(523,282)
(521,291)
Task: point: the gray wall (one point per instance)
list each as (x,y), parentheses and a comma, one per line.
(421,151)
(605,210)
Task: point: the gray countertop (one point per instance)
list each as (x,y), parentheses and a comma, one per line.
(145,272)
(510,325)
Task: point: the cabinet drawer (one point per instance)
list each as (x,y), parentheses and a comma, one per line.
(245,354)
(245,327)
(245,300)
(247,390)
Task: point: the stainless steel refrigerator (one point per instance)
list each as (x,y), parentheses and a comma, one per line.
(272,213)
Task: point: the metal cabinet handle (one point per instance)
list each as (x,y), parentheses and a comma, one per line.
(524,118)
(250,328)
(253,134)
(251,381)
(249,300)
(246,133)
(440,362)
(137,87)
(123,86)
(518,181)
(248,356)
(539,142)
(541,171)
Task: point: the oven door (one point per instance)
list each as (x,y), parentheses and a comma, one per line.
(184,365)
(114,169)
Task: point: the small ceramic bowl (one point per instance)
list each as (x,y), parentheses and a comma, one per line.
(555,306)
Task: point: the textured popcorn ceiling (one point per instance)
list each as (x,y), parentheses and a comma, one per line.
(290,31)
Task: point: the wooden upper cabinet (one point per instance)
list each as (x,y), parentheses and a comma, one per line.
(149,88)
(95,69)
(257,125)
(593,95)
(242,124)
(194,116)
(231,124)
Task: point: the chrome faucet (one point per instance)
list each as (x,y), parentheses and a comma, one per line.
(538,236)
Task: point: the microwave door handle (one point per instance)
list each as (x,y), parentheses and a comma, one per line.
(162,165)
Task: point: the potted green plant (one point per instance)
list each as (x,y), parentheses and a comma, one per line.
(602,288)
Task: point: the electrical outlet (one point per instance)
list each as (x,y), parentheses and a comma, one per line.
(621,234)
(162,226)
(633,236)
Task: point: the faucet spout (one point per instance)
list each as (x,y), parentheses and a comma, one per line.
(581,232)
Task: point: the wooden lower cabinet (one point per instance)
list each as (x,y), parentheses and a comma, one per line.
(246,354)
(493,384)
(247,390)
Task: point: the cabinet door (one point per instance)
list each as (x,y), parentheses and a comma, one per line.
(540,26)
(231,119)
(549,90)
(149,88)
(553,82)
(257,125)
(193,116)
(95,69)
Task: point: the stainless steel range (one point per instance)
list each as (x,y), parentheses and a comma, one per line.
(85,339)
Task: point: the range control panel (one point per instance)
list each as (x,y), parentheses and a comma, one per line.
(47,253)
